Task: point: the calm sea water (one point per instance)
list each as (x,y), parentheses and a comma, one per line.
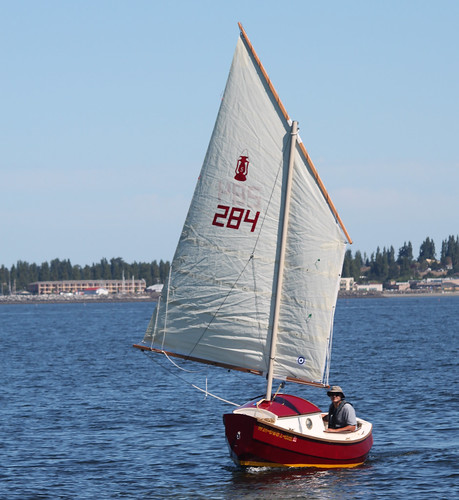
(84,415)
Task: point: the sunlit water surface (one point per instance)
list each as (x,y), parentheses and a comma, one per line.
(84,415)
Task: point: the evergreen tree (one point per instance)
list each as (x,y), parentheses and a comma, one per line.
(163,271)
(347,264)
(97,271)
(106,272)
(44,272)
(76,272)
(406,252)
(86,273)
(391,256)
(379,266)
(356,266)
(21,275)
(54,268)
(116,266)
(4,280)
(33,274)
(65,270)
(155,273)
(394,269)
(145,272)
(12,282)
(405,260)
(427,250)
(135,270)
(365,259)
(450,254)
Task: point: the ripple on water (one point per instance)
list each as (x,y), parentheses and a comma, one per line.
(83,415)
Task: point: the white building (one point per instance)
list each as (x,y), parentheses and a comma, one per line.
(369,287)
(346,284)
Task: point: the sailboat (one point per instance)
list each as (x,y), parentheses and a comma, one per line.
(254,280)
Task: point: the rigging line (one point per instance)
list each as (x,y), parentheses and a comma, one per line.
(189,383)
(329,351)
(243,269)
(167,305)
(154,328)
(178,366)
(253,251)
(214,396)
(267,207)
(156,318)
(281,386)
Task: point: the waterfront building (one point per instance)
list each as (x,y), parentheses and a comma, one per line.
(346,284)
(81,286)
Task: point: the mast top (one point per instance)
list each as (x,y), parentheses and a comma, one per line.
(300,143)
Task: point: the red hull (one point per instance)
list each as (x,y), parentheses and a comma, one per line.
(257,443)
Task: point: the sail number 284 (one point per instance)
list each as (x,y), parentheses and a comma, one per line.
(232,217)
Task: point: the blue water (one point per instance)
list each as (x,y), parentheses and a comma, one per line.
(84,415)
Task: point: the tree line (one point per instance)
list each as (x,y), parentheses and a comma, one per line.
(385,265)
(382,266)
(20,275)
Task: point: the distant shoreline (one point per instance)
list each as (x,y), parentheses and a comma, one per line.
(392,295)
(74,299)
(91,299)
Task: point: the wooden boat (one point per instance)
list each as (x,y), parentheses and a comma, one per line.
(255,277)
(289,431)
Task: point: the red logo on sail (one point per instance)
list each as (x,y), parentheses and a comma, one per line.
(242,168)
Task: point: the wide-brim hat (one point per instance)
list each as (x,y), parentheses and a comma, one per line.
(336,389)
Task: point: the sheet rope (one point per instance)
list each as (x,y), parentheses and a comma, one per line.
(205,391)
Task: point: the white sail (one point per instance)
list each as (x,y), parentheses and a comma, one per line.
(314,258)
(218,303)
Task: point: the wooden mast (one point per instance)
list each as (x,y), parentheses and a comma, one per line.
(302,148)
(280,272)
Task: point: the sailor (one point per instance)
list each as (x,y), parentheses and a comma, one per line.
(341,414)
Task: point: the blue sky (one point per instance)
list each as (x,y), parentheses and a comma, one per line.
(107,108)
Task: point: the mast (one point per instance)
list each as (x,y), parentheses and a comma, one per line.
(280,273)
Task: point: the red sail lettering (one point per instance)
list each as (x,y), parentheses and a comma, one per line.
(236,216)
(253,221)
(220,216)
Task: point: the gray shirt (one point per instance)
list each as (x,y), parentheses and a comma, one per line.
(348,415)
(342,416)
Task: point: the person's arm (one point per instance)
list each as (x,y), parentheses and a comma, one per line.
(350,418)
(348,428)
